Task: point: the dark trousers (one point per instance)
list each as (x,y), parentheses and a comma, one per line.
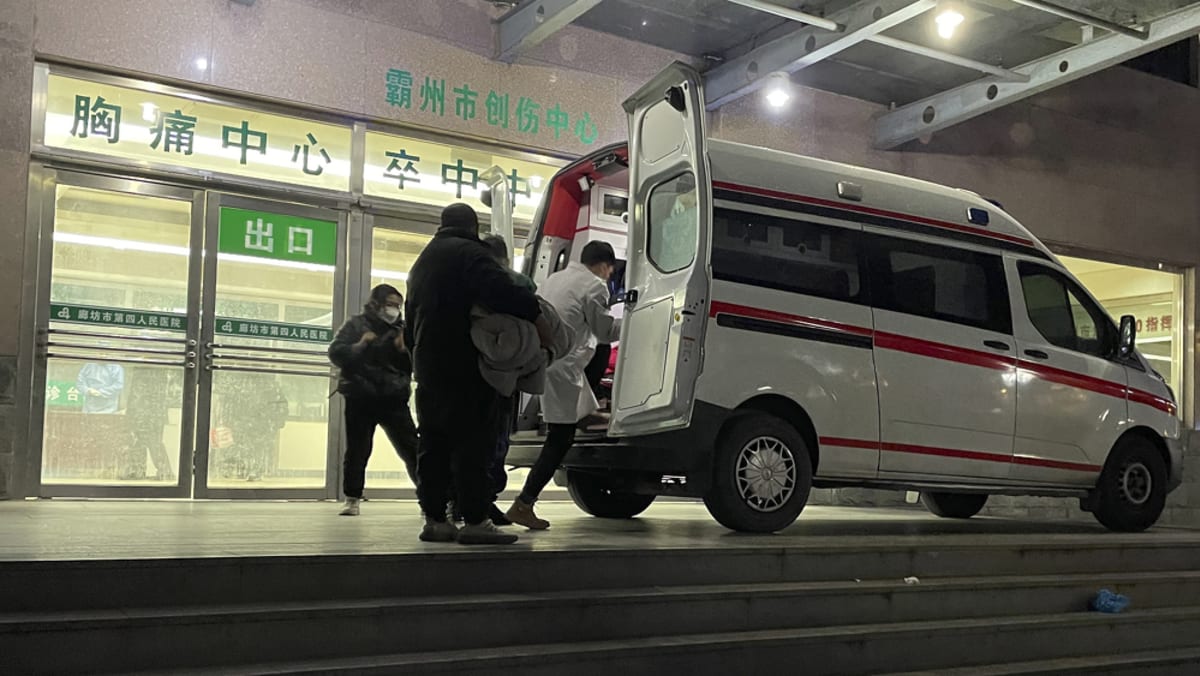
(595,369)
(496,470)
(458,445)
(148,437)
(559,439)
(362,416)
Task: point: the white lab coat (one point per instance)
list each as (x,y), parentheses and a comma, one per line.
(581,299)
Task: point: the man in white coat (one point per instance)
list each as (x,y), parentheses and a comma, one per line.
(580,295)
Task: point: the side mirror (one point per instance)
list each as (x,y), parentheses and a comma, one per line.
(1128,336)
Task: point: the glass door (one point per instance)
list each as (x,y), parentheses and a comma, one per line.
(115,368)
(267,426)
(390,247)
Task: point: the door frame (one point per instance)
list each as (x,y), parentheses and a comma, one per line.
(44,182)
(362,236)
(213,201)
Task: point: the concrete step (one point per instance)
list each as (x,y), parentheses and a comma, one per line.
(1178,662)
(828,651)
(196,636)
(451,570)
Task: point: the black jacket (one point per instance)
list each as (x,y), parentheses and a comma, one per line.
(454,273)
(376,369)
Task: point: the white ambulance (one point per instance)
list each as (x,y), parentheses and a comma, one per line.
(791,323)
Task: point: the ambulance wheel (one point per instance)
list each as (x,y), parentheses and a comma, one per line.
(762,475)
(590,493)
(1132,490)
(954,505)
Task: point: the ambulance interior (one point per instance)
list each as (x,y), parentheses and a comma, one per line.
(586,201)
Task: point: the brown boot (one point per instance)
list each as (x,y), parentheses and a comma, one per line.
(522,515)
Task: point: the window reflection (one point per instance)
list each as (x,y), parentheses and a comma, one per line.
(1154,297)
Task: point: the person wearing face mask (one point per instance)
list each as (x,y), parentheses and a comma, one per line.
(376,382)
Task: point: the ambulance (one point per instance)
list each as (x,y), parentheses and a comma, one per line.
(792,323)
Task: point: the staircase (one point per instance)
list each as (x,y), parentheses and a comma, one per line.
(1003,604)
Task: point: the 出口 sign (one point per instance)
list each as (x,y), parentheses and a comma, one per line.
(262,234)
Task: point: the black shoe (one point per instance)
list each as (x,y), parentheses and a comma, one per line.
(498,518)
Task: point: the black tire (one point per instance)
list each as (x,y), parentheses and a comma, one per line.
(754,498)
(590,493)
(1132,489)
(954,505)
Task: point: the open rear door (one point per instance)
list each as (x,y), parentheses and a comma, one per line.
(667,278)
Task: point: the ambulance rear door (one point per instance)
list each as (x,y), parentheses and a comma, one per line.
(667,275)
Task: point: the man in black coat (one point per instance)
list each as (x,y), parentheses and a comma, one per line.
(459,413)
(376,381)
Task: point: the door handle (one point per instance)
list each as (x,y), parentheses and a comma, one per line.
(1037,354)
(997,345)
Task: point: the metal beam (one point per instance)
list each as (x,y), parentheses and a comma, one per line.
(789,13)
(929,52)
(530,24)
(860,21)
(894,43)
(1083,18)
(971,100)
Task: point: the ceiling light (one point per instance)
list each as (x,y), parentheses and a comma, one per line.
(948,22)
(778,91)
(202,63)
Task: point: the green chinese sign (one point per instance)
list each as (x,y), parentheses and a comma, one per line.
(249,328)
(165,321)
(118,317)
(63,394)
(277,236)
(502,110)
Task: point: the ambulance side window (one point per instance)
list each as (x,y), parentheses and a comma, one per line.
(673,221)
(787,254)
(940,282)
(1064,316)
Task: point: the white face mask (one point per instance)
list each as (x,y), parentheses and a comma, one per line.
(391,314)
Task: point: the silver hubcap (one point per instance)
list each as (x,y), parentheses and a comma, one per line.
(766,474)
(1136,483)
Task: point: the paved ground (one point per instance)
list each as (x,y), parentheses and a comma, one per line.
(61,529)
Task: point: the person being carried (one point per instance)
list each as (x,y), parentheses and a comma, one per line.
(376,381)
(458,411)
(499,475)
(580,295)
